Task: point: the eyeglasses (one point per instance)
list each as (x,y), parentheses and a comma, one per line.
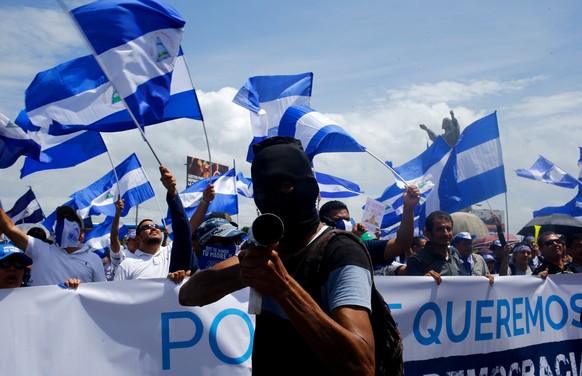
(151,226)
(551,242)
(16,264)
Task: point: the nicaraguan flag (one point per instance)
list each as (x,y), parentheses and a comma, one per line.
(572,207)
(26,209)
(334,187)
(474,170)
(77,96)
(225,199)
(137,42)
(99,238)
(547,172)
(59,151)
(317,133)
(15,142)
(244,185)
(424,171)
(101,196)
(267,98)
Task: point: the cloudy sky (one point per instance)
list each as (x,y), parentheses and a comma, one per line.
(380,68)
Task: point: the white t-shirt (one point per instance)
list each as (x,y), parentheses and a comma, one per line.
(144,265)
(53,265)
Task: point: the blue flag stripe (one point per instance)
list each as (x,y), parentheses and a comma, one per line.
(108,19)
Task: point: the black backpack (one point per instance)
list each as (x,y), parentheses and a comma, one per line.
(388,340)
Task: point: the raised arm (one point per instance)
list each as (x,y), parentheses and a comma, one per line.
(8,228)
(115,245)
(181,255)
(405,234)
(198,217)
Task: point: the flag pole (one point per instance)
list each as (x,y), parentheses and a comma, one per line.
(108,75)
(388,167)
(203,124)
(235,189)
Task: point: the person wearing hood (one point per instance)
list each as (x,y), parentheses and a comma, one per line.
(325,332)
(67,258)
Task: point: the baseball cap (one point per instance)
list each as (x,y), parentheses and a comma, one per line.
(215,227)
(488,258)
(222,215)
(496,243)
(9,250)
(68,212)
(462,235)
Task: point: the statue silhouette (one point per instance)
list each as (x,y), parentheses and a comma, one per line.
(451,127)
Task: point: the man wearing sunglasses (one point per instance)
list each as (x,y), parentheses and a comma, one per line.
(152,259)
(552,251)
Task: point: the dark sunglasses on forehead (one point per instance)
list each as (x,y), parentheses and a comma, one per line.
(151,226)
(6,264)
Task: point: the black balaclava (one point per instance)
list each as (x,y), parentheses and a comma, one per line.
(279,160)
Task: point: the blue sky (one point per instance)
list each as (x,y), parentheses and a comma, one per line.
(380,69)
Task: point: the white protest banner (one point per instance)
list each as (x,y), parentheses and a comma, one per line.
(520,325)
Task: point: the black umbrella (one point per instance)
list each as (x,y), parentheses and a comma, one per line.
(559,223)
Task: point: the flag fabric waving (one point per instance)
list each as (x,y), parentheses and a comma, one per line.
(14,142)
(136,41)
(267,98)
(547,172)
(244,185)
(59,151)
(99,238)
(77,95)
(317,133)
(474,170)
(26,209)
(225,199)
(424,171)
(101,196)
(334,187)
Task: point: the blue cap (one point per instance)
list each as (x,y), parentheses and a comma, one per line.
(462,235)
(488,258)
(218,227)
(9,250)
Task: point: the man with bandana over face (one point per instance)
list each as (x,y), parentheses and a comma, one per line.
(296,333)
(64,261)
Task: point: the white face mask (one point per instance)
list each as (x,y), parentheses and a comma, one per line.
(67,233)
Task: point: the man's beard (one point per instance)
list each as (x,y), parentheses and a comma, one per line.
(151,241)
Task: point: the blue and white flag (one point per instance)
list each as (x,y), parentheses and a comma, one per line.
(244,185)
(136,42)
(26,209)
(547,172)
(14,143)
(572,208)
(77,96)
(59,151)
(99,238)
(334,187)
(101,196)
(225,199)
(424,171)
(267,98)
(317,133)
(474,171)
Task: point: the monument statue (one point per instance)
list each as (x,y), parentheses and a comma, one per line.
(451,127)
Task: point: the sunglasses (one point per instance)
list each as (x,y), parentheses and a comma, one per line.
(16,264)
(151,226)
(551,242)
